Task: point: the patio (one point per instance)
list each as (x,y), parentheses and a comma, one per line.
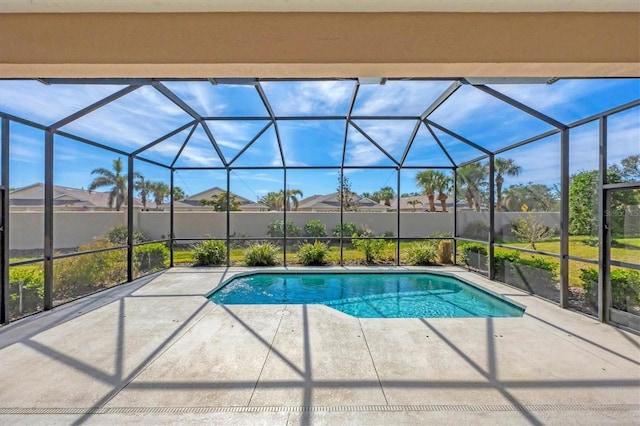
(155,350)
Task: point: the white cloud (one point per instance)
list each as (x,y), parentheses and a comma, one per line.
(312,142)
(131,121)
(309,97)
(199,157)
(398,97)
(144,115)
(540,162)
(361,152)
(623,136)
(392,135)
(167,150)
(546,97)
(569,100)
(486,120)
(26,149)
(200,96)
(467,102)
(235,134)
(48,104)
(199,152)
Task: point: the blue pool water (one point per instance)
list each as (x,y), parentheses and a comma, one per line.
(369,295)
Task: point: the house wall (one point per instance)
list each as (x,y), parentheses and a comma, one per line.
(72,229)
(319,44)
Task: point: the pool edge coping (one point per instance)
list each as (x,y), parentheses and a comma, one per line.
(373,271)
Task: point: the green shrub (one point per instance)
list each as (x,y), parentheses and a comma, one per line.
(474,255)
(535,275)
(347,230)
(276,229)
(79,275)
(389,251)
(26,290)
(539,263)
(315,228)
(151,257)
(467,248)
(261,254)
(371,247)
(119,234)
(211,252)
(625,287)
(421,253)
(499,259)
(386,234)
(313,254)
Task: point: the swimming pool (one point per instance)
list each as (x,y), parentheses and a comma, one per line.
(368,294)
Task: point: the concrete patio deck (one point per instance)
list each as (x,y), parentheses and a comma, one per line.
(157,352)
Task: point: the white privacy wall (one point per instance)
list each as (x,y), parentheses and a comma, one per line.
(72,229)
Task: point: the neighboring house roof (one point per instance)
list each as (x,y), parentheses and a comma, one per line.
(245,204)
(405,206)
(331,202)
(33,195)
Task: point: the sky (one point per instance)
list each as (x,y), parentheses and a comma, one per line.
(145,115)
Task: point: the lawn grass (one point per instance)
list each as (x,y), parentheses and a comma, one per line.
(625,250)
(184,255)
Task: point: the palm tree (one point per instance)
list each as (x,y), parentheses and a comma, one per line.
(413,204)
(386,193)
(504,167)
(443,185)
(113,178)
(514,199)
(426,179)
(144,188)
(471,179)
(219,202)
(159,190)
(288,197)
(178,193)
(271,200)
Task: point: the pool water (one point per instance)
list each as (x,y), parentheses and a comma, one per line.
(369,295)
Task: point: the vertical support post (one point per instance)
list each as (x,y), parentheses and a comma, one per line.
(171,218)
(564,219)
(604,231)
(455,215)
(130,172)
(4,181)
(48,220)
(398,222)
(340,196)
(228,217)
(284,217)
(492,215)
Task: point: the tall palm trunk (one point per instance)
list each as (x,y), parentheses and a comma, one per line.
(499,182)
(432,203)
(469,196)
(443,201)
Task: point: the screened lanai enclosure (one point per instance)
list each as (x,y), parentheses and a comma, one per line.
(532,182)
